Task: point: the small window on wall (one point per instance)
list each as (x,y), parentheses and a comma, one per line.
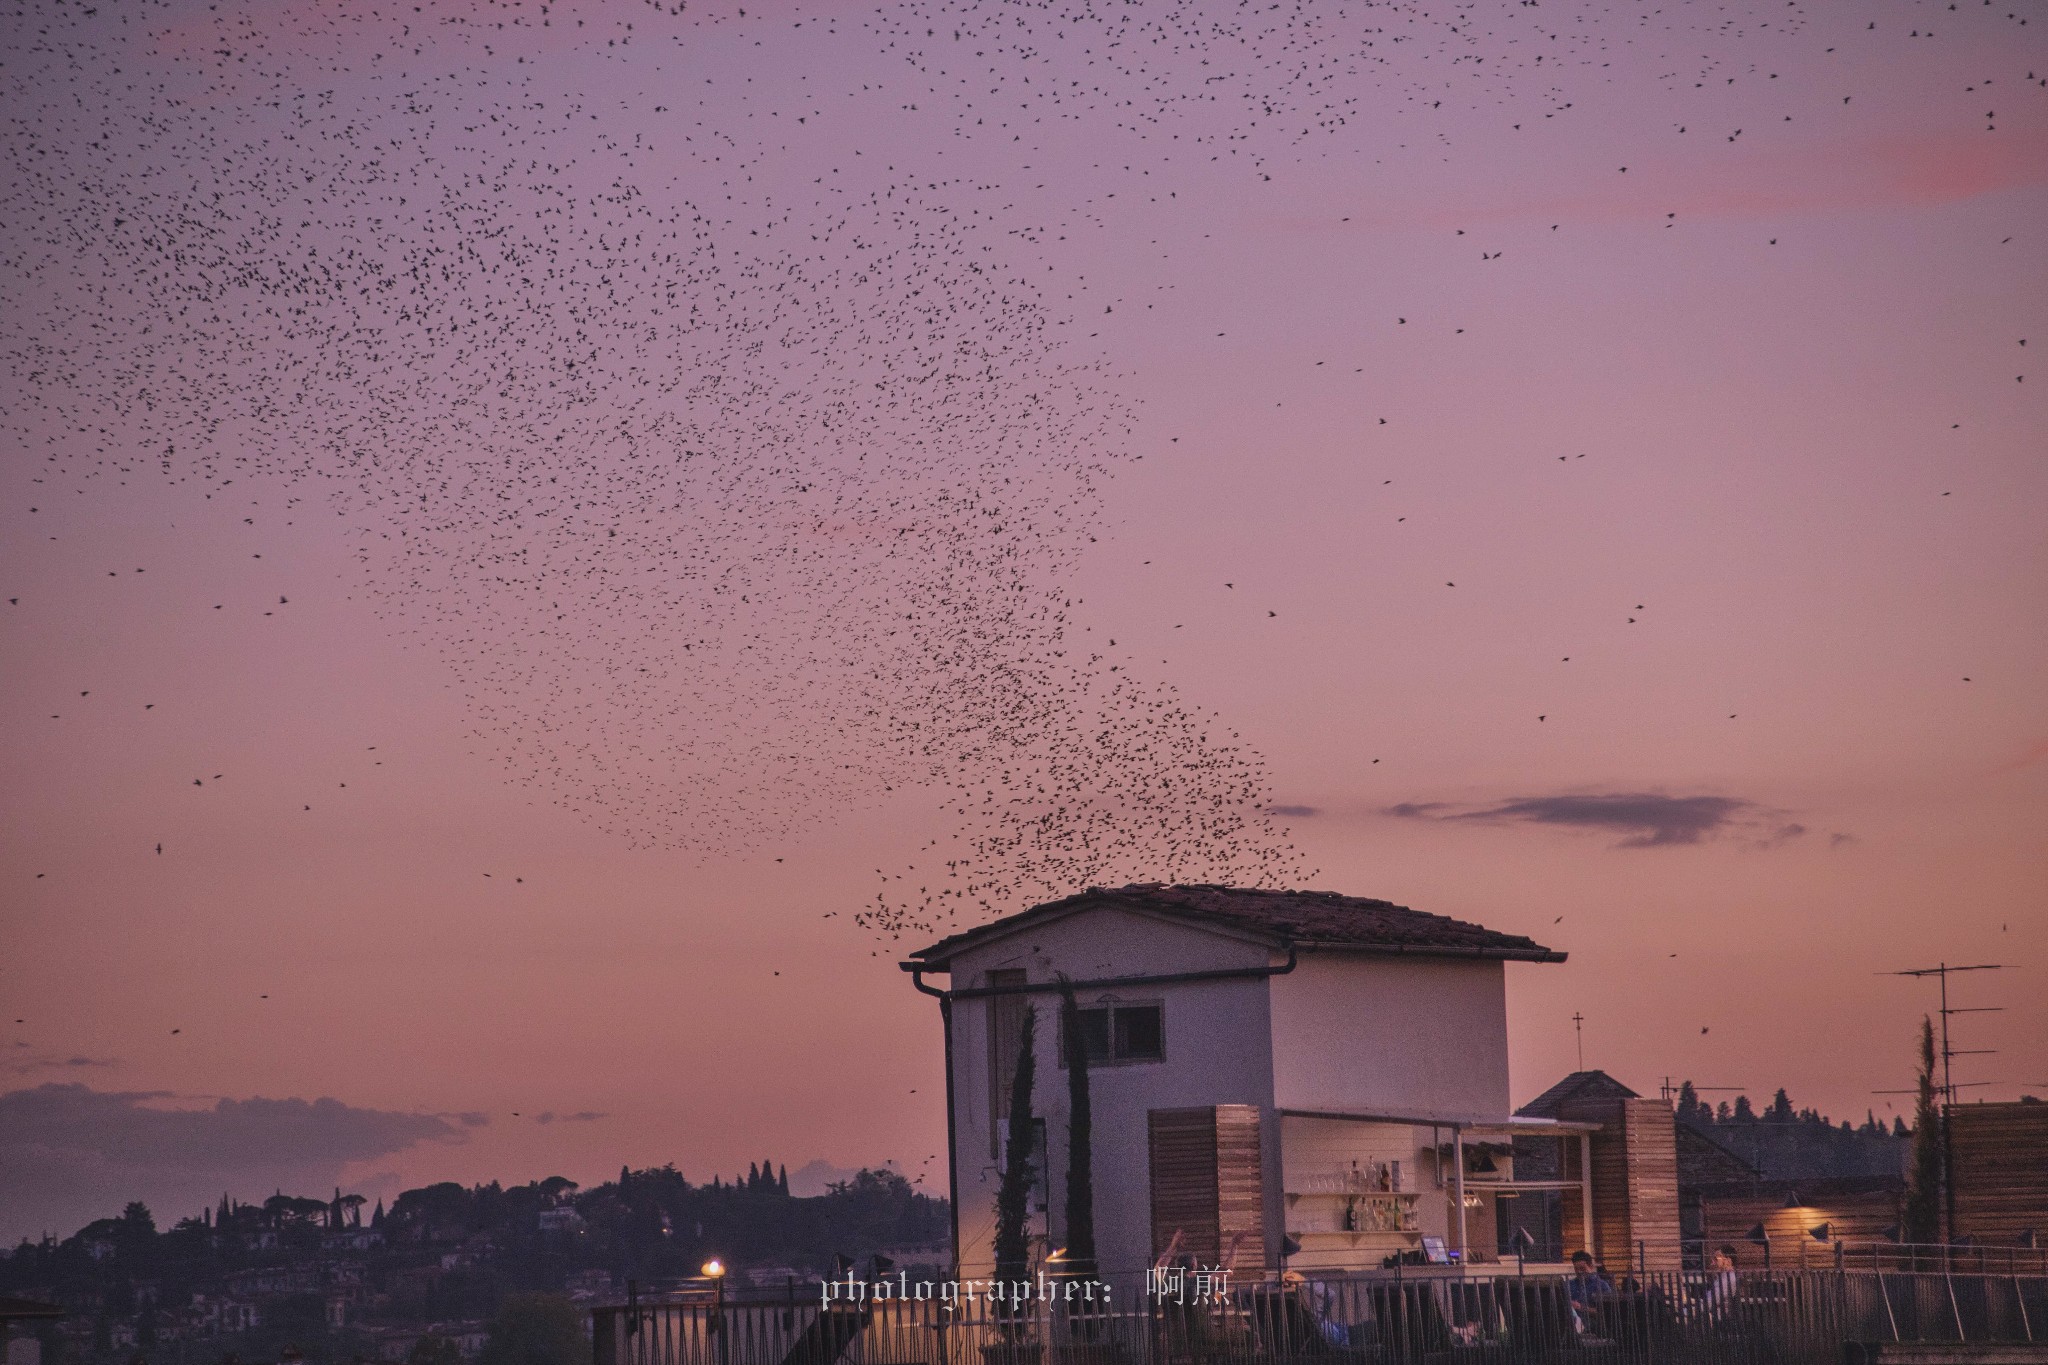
(1121,1033)
(1140,1034)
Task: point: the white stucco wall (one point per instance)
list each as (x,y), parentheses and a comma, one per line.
(1345,1032)
(1216,1053)
(1412,1036)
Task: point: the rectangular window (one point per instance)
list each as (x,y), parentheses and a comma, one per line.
(1095,1033)
(1120,1033)
(1140,1034)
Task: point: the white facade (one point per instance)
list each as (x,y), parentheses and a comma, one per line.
(1415,1036)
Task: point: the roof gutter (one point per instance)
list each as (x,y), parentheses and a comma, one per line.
(1443,950)
(918,969)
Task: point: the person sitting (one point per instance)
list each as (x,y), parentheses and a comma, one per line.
(1586,1283)
(1716,1297)
(1310,1307)
(1587,1289)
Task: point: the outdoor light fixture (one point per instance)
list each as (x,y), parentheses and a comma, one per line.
(1819,1232)
(714,1268)
(2027,1239)
(1759,1236)
(1483,1164)
(1792,1200)
(1893,1233)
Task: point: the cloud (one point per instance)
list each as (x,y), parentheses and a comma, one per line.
(69,1153)
(63,1063)
(1296,811)
(1647,819)
(1840,840)
(580,1116)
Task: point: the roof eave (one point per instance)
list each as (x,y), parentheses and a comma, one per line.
(1535,953)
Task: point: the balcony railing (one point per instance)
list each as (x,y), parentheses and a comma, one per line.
(1420,1316)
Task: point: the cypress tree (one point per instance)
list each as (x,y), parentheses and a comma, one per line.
(1013,1197)
(1923,1186)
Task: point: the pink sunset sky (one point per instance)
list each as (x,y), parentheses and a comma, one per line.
(1649,561)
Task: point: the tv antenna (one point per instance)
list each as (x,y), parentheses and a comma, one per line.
(1579,1032)
(1670,1090)
(1948,1054)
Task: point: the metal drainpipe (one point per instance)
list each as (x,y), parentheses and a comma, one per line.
(946,999)
(1458,1191)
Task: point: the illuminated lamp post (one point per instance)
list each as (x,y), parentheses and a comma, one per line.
(714,1271)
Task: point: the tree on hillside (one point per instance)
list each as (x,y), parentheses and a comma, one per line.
(1743,1112)
(1923,1187)
(1781,1108)
(536,1329)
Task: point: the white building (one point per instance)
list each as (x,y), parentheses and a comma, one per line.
(1307,1075)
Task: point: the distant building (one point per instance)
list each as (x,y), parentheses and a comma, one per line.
(1320,1080)
(1634,1191)
(1798,1189)
(352,1239)
(19,1318)
(589,1284)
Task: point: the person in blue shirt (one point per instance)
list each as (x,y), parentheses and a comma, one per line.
(1586,1283)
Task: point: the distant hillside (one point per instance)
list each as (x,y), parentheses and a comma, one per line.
(338,1281)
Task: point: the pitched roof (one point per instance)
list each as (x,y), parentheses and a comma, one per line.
(1305,919)
(1703,1161)
(1580,1085)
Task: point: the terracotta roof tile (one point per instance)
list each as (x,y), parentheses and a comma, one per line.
(1307,919)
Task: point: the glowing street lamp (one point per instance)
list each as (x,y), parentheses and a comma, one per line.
(714,1271)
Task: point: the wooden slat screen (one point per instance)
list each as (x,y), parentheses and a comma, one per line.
(1207,1181)
(1635,1184)
(1999,1154)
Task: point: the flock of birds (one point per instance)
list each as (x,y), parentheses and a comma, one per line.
(729,505)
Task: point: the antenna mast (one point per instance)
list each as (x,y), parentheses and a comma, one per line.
(1948,1084)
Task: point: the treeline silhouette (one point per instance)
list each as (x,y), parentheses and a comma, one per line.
(328,1277)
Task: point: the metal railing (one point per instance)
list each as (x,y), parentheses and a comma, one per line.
(1423,1316)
